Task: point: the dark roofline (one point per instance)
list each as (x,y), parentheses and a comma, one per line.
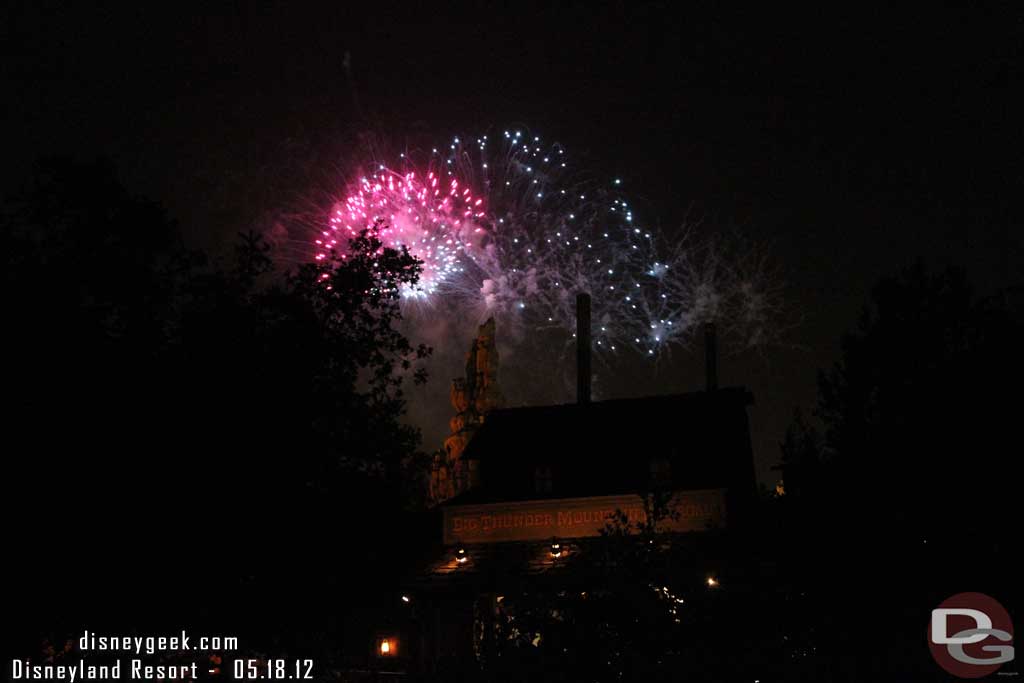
(738,395)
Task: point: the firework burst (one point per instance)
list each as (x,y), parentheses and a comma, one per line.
(431,219)
(506,227)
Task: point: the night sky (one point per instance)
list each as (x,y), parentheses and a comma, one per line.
(854,142)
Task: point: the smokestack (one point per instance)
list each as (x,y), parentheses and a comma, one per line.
(711,356)
(583,348)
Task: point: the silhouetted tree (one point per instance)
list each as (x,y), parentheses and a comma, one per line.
(916,413)
(638,604)
(904,495)
(802,455)
(225,441)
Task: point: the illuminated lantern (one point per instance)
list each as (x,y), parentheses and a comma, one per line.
(387,646)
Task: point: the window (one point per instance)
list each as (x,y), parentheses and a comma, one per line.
(661,472)
(542,479)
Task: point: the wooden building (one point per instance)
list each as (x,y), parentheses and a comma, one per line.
(539,488)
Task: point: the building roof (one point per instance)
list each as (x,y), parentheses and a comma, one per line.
(606,447)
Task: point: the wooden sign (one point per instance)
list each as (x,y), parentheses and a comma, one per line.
(536,520)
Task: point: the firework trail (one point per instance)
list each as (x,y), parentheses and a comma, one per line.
(505,226)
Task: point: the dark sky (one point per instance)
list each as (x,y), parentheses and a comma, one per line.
(854,140)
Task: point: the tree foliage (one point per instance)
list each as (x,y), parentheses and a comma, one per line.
(916,412)
(902,494)
(191,423)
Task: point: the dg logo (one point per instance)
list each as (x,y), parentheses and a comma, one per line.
(970,634)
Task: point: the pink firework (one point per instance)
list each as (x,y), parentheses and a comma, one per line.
(435,219)
(504,228)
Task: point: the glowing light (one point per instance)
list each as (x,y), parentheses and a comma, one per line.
(387,646)
(406,212)
(500,235)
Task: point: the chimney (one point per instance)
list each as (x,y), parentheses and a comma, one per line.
(710,356)
(583,348)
